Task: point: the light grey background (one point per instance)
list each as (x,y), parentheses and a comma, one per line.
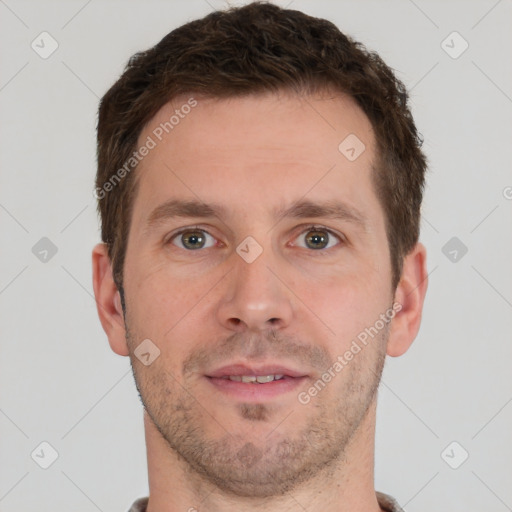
(59,380)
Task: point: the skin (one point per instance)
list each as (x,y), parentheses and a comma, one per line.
(296,304)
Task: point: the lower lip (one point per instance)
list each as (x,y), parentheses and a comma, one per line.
(256,392)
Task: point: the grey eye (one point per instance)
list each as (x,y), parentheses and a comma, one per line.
(193,239)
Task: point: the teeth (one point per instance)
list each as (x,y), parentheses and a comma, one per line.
(261,379)
(266,378)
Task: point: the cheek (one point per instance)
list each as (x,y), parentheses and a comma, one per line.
(345,304)
(162,303)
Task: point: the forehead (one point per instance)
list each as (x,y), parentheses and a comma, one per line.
(255,150)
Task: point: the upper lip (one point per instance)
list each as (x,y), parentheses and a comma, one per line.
(266,369)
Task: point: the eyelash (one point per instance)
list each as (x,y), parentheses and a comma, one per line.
(312,227)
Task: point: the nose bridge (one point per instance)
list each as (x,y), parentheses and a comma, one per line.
(255,298)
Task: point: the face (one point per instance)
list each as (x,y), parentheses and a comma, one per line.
(282,271)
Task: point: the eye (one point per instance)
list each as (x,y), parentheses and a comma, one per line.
(319,238)
(192,239)
(316,238)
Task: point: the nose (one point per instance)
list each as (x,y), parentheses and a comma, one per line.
(255,297)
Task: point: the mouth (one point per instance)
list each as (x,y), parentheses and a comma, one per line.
(255,383)
(254,379)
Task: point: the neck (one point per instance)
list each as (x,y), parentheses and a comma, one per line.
(346,486)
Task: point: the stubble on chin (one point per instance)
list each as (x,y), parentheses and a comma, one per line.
(238,462)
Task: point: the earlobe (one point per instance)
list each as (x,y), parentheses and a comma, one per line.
(410,295)
(108,303)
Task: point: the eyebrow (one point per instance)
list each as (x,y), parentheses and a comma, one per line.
(301,209)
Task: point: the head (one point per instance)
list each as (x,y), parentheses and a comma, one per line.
(226,123)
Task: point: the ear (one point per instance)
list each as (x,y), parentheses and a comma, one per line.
(108,300)
(409,294)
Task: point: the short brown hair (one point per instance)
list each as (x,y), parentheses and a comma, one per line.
(253,49)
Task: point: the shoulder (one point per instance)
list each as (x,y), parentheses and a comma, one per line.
(388,503)
(139,505)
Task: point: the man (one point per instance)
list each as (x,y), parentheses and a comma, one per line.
(259,183)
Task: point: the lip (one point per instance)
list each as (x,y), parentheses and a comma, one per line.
(267,369)
(250,392)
